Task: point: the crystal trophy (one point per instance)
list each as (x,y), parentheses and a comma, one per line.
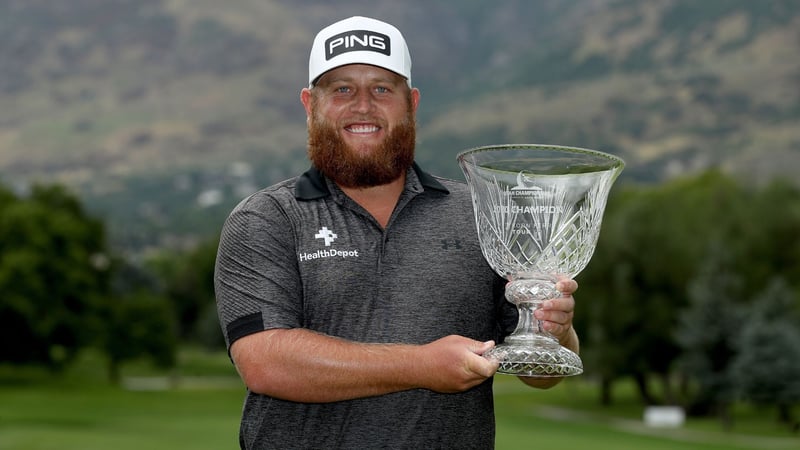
(538,210)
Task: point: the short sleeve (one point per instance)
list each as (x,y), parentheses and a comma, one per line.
(256,277)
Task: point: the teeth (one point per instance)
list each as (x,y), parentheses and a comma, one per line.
(362,128)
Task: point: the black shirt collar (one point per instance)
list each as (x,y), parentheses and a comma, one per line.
(311,184)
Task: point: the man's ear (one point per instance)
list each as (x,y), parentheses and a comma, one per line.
(305,98)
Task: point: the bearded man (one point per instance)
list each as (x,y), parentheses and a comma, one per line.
(354,298)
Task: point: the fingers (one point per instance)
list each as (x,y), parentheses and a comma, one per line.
(556,314)
(567,286)
(558,329)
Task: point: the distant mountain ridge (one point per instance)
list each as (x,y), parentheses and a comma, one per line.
(162,114)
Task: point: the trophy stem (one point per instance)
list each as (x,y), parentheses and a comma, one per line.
(530,350)
(528,327)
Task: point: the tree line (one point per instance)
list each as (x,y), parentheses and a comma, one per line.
(692,292)
(63,290)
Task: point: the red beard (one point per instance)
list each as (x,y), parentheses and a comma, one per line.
(339,162)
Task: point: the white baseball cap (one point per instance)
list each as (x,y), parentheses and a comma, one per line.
(359,40)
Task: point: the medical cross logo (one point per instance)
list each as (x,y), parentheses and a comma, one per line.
(327,235)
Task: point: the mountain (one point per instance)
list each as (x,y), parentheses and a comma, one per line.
(162,114)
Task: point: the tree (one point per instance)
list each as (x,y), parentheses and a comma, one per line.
(771,237)
(767,368)
(53,275)
(609,302)
(707,333)
(651,244)
(189,285)
(140,325)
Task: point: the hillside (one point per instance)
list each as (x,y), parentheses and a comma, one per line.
(163,113)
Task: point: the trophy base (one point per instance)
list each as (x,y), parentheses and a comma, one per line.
(533,358)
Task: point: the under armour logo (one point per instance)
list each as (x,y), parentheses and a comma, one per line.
(447,243)
(326,234)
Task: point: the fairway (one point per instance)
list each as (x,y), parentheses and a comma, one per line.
(201,411)
(530,419)
(98,418)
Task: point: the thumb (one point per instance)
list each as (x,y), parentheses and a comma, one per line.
(485,367)
(479,348)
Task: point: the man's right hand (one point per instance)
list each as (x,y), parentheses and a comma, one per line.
(455,363)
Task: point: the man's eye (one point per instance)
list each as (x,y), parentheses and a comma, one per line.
(381,90)
(343,89)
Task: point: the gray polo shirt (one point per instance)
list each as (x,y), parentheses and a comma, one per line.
(303,254)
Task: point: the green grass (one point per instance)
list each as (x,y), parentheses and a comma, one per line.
(201,408)
(82,410)
(569,416)
(100,417)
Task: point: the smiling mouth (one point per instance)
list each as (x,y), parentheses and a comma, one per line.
(362,129)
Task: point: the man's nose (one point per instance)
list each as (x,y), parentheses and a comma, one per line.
(362,103)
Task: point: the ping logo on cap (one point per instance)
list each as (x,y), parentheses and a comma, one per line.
(357,40)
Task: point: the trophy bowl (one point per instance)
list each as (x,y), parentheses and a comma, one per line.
(538,210)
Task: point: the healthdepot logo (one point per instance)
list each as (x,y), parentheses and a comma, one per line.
(328,237)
